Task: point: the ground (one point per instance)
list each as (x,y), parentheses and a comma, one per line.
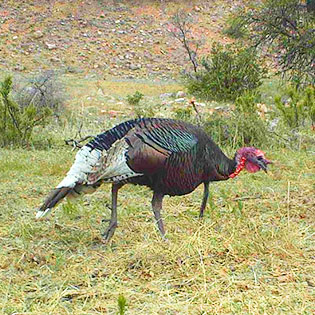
(110,38)
(253,253)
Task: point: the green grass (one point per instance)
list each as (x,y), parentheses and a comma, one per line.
(252,254)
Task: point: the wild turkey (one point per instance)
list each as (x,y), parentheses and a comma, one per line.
(171,157)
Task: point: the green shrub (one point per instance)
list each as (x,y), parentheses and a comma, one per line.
(135,99)
(16,123)
(236,27)
(140,110)
(226,74)
(218,128)
(247,102)
(240,127)
(296,106)
(43,90)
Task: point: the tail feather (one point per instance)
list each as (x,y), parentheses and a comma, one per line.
(75,181)
(58,194)
(53,198)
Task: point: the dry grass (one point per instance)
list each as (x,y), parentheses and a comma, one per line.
(253,256)
(105,93)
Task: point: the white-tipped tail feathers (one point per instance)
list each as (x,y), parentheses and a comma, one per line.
(90,168)
(41,214)
(85,160)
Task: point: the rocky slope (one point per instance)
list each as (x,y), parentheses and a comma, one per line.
(113,38)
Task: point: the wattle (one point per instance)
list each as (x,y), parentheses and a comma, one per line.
(251,167)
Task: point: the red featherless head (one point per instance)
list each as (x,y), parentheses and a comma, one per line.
(251,159)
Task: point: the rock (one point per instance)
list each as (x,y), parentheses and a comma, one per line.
(19,68)
(38,34)
(135,66)
(201,104)
(55,59)
(51,46)
(180,100)
(166,95)
(180,94)
(128,56)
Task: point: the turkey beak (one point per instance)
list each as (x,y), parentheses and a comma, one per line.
(263,165)
(261,162)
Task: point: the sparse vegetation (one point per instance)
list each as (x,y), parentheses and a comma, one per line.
(16,122)
(42,91)
(254,251)
(297,106)
(140,110)
(227,72)
(180,27)
(135,98)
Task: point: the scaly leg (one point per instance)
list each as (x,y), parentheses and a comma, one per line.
(107,235)
(204,200)
(157,207)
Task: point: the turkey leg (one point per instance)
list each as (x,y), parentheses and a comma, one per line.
(107,235)
(204,200)
(157,207)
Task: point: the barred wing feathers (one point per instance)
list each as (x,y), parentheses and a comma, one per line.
(88,159)
(134,148)
(153,143)
(143,150)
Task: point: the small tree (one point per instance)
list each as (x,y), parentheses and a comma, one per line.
(180,28)
(16,123)
(227,72)
(298,107)
(286,28)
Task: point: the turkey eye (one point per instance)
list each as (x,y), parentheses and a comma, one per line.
(259,157)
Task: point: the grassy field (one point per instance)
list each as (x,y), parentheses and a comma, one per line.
(252,254)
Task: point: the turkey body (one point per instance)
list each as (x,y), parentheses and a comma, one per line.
(169,156)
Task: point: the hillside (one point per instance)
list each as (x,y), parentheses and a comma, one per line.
(112,38)
(253,253)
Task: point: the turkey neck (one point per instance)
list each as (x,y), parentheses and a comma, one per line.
(219,166)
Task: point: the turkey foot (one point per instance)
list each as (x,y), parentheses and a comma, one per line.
(107,235)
